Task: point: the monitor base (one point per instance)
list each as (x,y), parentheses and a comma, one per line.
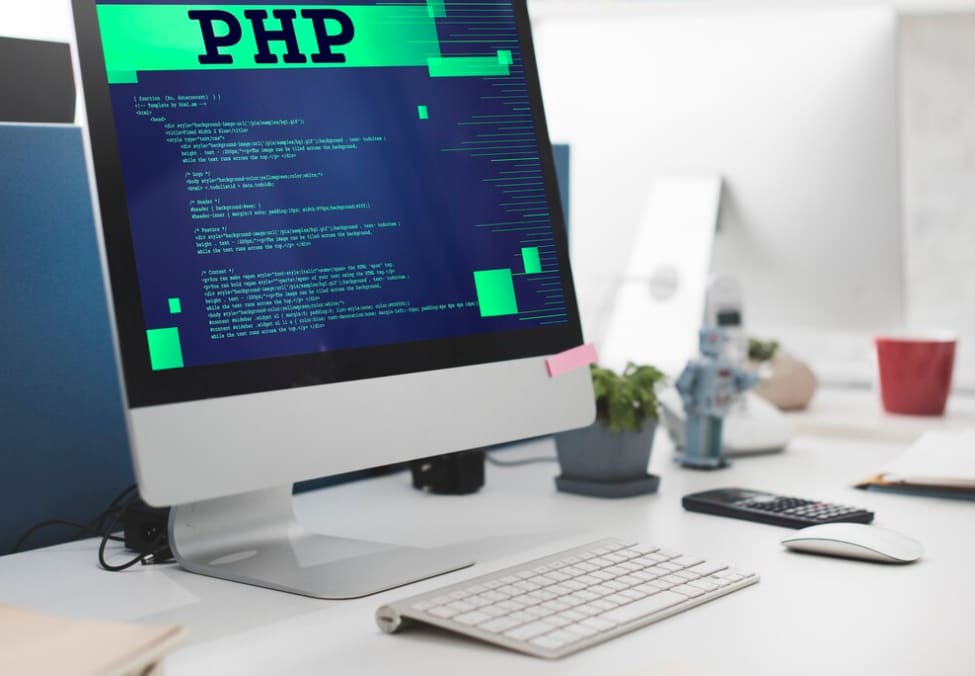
(254,538)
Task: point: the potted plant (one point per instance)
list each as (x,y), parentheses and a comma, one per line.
(610,457)
(787,382)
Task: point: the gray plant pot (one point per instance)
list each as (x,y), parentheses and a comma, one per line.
(597,461)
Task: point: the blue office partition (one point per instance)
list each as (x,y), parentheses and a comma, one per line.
(63,446)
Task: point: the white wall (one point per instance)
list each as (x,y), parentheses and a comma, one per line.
(36,19)
(938,157)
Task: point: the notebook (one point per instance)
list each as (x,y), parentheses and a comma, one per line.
(940,463)
(41,645)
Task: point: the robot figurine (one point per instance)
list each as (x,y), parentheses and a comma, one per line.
(708,387)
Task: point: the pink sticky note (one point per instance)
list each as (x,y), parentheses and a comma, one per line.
(572,359)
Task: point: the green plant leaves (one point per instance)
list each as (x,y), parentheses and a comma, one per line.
(762,350)
(624,401)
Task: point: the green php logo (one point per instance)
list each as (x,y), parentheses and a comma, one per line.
(222,30)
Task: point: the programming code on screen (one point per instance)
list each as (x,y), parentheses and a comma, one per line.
(308,178)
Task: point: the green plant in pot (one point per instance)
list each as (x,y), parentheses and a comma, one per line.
(610,457)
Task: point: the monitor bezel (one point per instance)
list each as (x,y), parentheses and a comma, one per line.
(145,387)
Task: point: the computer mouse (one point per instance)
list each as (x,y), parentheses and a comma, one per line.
(855,541)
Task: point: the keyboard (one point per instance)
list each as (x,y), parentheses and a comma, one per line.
(559,604)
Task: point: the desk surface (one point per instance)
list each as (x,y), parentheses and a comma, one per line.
(808,614)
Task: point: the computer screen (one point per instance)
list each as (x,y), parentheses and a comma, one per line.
(332,234)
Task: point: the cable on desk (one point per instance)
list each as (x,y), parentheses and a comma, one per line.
(517,463)
(104,525)
(93,527)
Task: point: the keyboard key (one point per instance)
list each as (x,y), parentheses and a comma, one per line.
(478,601)
(548,641)
(572,615)
(585,595)
(471,618)
(581,630)
(687,590)
(650,588)
(443,611)
(493,611)
(498,625)
(601,623)
(643,549)
(557,621)
(638,609)
(686,561)
(513,605)
(707,568)
(521,617)
(706,585)
(461,606)
(541,595)
(495,596)
(565,636)
(588,610)
(527,631)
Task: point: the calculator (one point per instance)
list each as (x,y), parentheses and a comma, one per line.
(779,510)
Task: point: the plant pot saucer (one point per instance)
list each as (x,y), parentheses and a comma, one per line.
(648,483)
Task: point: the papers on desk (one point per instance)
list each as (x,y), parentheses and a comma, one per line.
(940,463)
(42,645)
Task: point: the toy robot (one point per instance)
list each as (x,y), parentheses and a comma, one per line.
(708,387)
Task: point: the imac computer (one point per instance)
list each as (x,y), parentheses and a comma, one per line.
(332,240)
(794,109)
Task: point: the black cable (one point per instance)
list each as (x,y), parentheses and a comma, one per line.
(99,521)
(103,525)
(149,558)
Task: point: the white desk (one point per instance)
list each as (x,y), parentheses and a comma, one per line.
(808,615)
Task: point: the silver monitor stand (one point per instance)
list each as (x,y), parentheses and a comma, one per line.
(256,539)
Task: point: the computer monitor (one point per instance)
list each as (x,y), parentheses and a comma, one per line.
(333,240)
(794,108)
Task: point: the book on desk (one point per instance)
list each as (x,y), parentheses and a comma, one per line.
(941,463)
(40,644)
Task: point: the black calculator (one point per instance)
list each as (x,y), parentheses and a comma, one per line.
(779,510)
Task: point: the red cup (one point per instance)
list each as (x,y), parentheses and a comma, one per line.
(915,372)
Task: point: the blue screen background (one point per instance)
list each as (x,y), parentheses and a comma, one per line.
(455,210)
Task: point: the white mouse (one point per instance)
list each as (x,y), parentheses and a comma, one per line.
(855,541)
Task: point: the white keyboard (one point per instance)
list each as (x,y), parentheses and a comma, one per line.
(577,598)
